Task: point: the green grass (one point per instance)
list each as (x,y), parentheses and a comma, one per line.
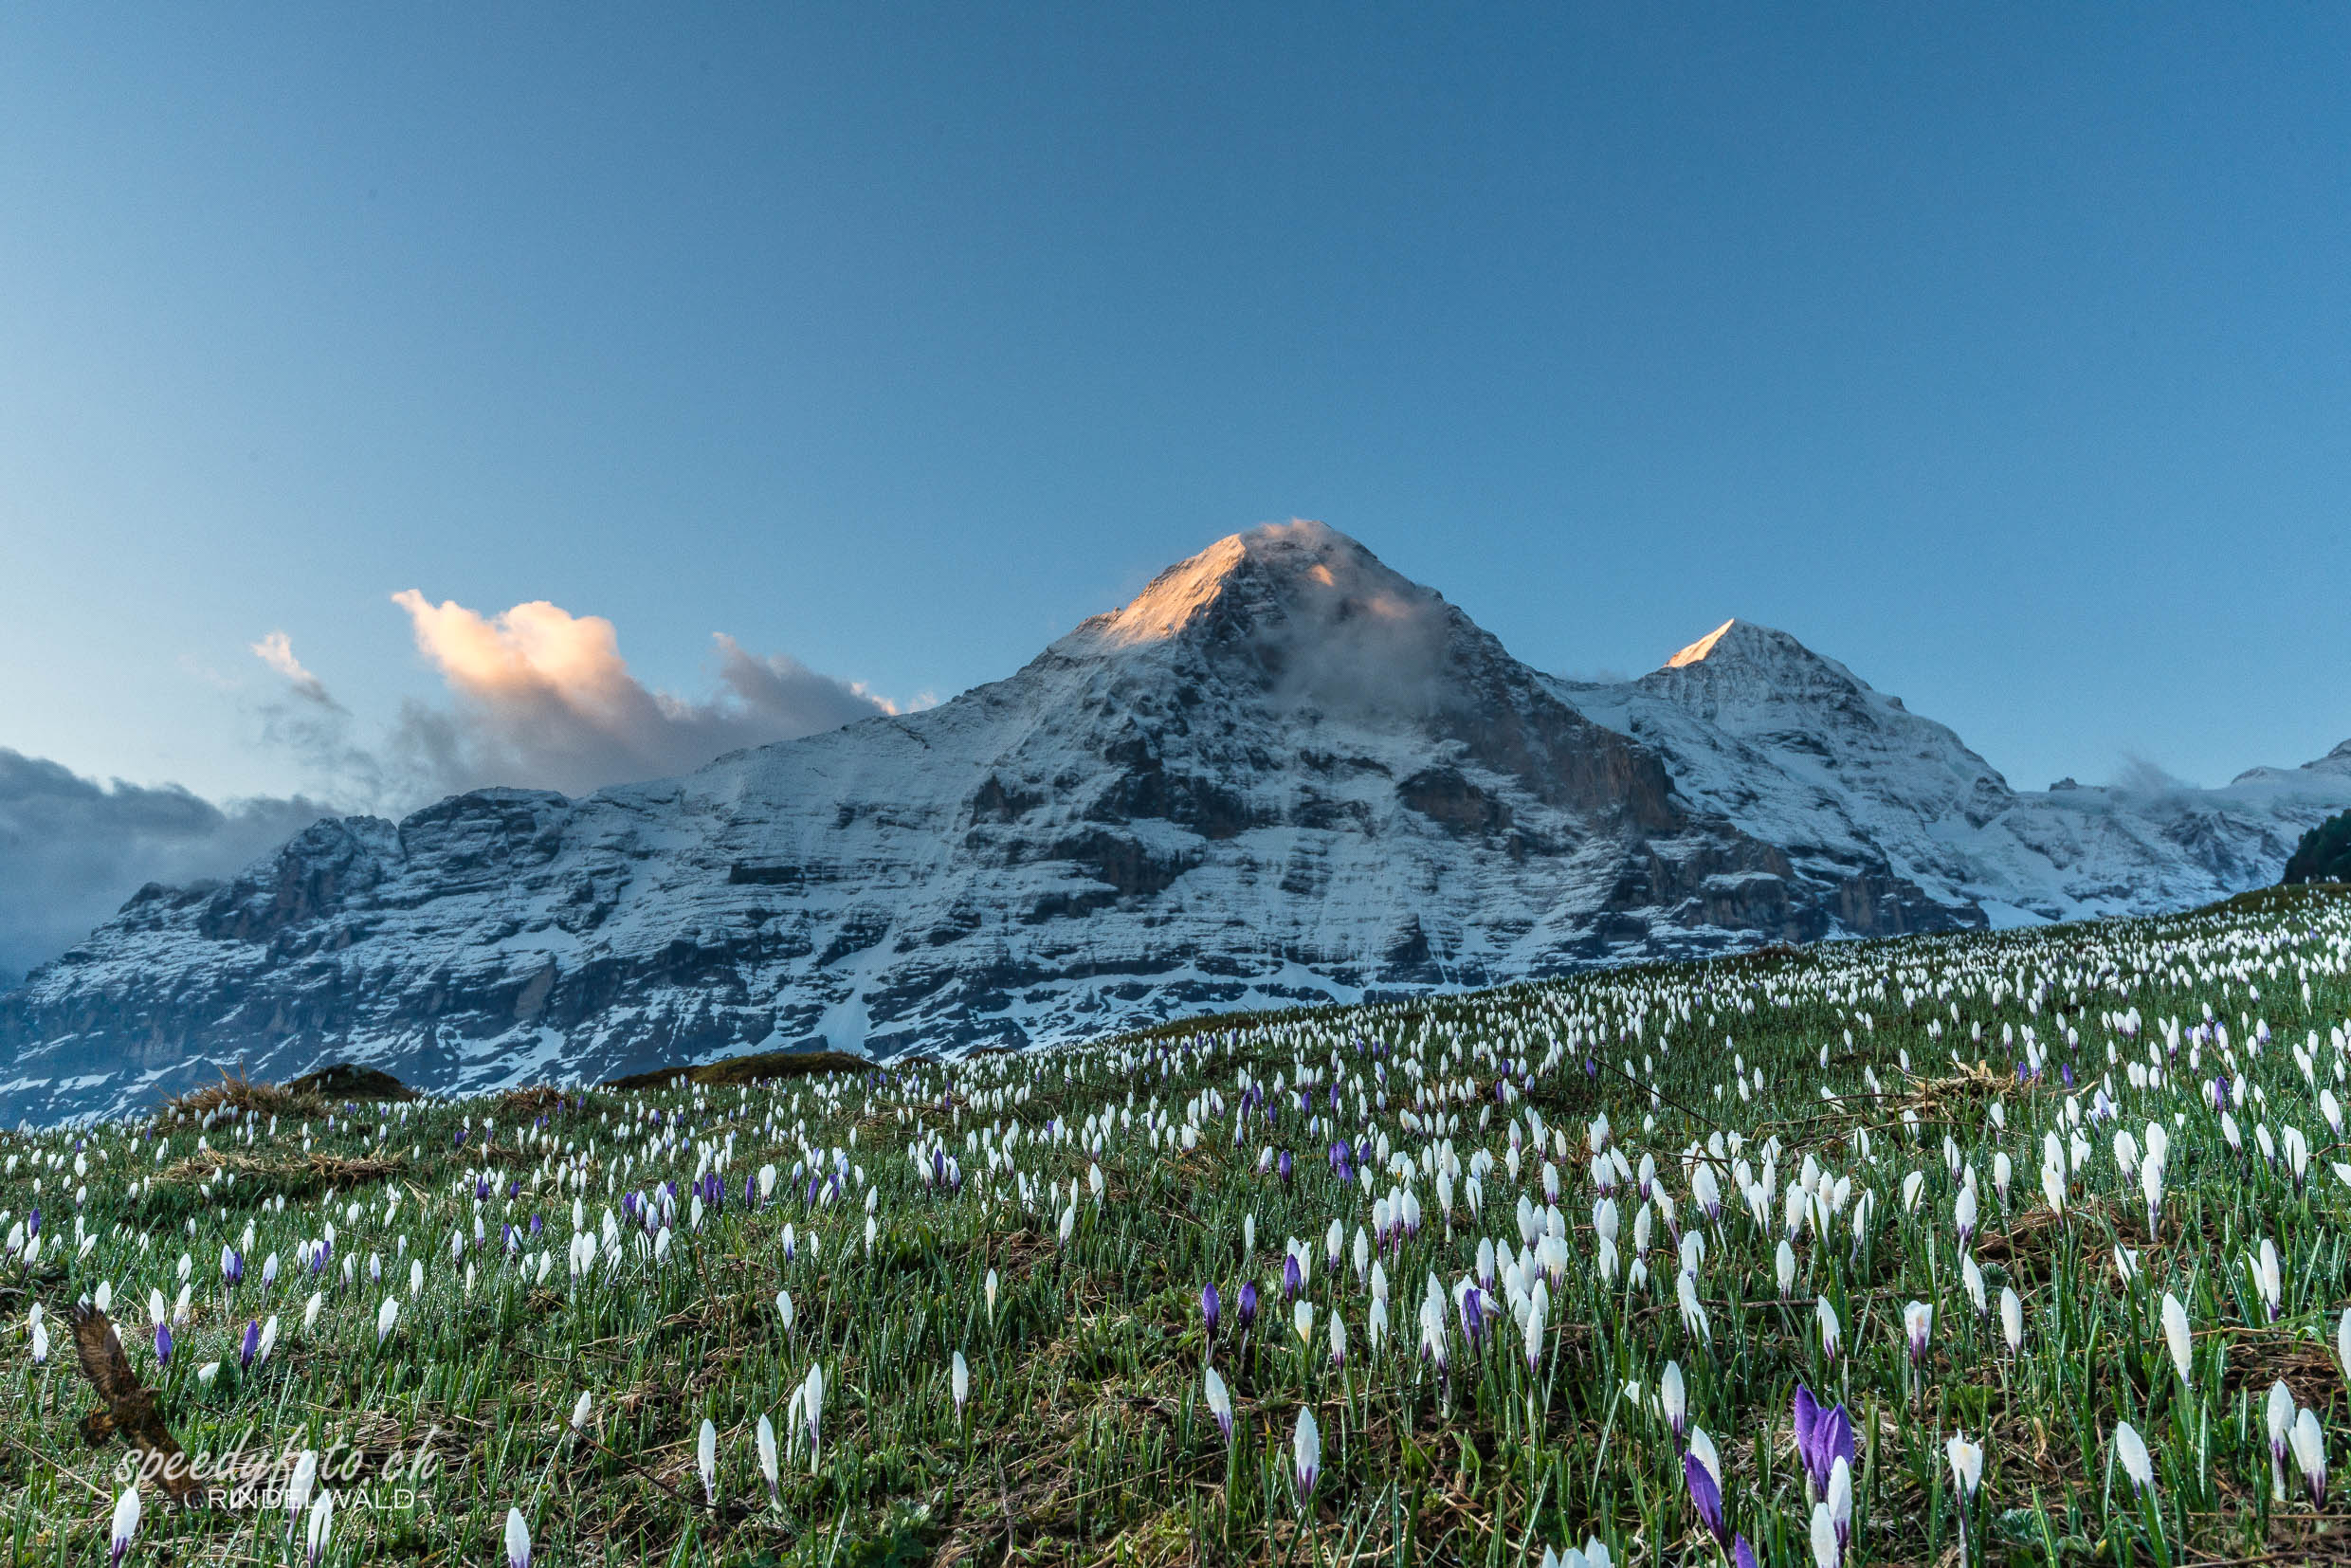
(1088,1437)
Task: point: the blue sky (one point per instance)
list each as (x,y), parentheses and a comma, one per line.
(1998,352)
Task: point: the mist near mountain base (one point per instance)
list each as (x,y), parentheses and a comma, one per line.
(73,849)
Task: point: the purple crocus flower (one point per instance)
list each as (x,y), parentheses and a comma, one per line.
(1705,1496)
(232,1265)
(1836,1436)
(251,1346)
(163,1343)
(1293,1279)
(1245,1309)
(1822,1437)
(1743,1555)
(1210,1306)
(1282,1165)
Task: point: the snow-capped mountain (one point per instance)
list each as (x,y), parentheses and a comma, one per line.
(1799,751)
(1284,774)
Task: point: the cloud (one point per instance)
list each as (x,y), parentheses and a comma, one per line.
(73,850)
(277,651)
(541,697)
(536,697)
(2142,775)
(1351,635)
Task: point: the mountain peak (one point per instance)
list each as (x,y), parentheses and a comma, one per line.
(1276,571)
(1739,643)
(1743,663)
(1699,649)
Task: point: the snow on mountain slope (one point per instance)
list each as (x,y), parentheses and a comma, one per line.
(2314,775)
(1283,774)
(1800,752)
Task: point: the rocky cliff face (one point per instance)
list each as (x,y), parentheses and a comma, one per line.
(1284,774)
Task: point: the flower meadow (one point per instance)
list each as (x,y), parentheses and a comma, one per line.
(2022,1247)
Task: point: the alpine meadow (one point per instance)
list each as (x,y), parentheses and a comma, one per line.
(1976,1247)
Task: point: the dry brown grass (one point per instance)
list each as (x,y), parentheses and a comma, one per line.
(314,1094)
(1957,1097)
(2260,1356)
(527,1103)
(247,1095)
(312,1173)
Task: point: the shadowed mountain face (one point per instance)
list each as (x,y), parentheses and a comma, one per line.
(1283,774)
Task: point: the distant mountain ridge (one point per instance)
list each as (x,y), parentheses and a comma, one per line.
(1283,774)
(1799,751)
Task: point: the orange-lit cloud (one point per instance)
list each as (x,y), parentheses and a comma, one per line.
(537,655)
(543,698)
(540,697)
